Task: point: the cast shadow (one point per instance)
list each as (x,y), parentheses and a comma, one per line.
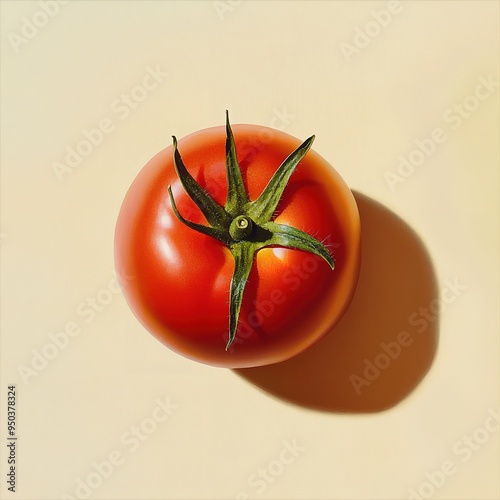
(367,363)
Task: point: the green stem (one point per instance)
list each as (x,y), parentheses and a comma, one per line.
(241,228)
(262,209)
(243,254)
(236,195)
(246,227)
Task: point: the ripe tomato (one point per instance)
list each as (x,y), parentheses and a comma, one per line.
(177,280)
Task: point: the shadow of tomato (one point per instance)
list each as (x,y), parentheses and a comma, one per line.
(387,339)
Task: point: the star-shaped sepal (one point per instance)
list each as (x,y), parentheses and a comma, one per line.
(246,226)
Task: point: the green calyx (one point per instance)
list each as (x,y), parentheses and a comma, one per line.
(241,228)
(246,226)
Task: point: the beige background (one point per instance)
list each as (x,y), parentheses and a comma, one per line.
(261,60)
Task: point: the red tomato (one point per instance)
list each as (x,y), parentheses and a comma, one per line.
(177,280)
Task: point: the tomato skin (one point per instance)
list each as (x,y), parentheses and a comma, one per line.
(176,280)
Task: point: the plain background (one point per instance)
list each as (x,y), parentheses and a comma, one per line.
(260,60)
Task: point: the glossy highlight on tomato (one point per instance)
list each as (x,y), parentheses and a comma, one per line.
(177,281)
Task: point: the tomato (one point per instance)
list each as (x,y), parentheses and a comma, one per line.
(236,290)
